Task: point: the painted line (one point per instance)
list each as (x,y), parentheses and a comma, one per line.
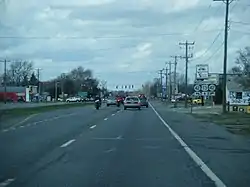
(5,130)
(113,114)
(26,119)
(105,119)
(92,127)
(192,154)
(6,182)
(110,150)
(119,137)
(21,126)
(68,143)
(107,138)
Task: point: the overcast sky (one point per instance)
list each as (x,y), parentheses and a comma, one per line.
(122,41)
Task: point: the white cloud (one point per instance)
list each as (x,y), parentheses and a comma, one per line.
(117,37)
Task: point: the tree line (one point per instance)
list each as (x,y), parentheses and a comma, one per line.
(22,73)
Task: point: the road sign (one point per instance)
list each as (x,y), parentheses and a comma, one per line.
(212,87)
(197,88)
(202,71)
(204,89)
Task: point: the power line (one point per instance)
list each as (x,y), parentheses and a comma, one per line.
(206,51)
(202,19)
(240,22)
(97,37)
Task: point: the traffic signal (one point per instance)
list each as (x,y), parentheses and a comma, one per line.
(125,86)
(132,86)
(116,87)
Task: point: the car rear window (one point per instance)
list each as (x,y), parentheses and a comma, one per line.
(132,99)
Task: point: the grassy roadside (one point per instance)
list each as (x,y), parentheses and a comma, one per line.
(17,112)
(237,123)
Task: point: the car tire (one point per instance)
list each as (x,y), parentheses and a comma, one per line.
(107,105)
(125,108)
(139,108)
(147,106)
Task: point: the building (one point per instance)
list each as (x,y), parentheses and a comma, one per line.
(17,93)
(236,94)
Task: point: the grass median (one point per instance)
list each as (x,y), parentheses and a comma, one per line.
(235,122)
(17,112)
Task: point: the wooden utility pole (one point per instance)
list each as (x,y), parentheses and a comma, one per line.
(224,80)
(161,72)
(187,56)
(170,81)
(38,78)
(5,81)
(166,74)
(175,72)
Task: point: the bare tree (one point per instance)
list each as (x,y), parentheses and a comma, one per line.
(243,67)
(18,72)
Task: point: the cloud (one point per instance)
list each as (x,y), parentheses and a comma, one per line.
(122,41)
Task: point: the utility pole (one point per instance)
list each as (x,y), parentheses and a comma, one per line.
(175,72)
(161,72)
(38,78)
(170,81)
(5,81)
(166,74)
(187,44)
(56,91)
(224,81)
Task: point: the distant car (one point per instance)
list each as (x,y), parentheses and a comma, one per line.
(73,99)
(132,102)
(111,101)
(144,101)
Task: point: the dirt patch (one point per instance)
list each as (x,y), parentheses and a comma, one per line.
(236,123)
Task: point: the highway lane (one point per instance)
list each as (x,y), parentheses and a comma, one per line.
(127,148)
(24,145)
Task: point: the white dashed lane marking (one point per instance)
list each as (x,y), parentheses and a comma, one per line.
(67,143)
(113,114)
(92,127)
(6,182)
(105,119)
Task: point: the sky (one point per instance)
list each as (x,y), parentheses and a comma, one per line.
(124,42)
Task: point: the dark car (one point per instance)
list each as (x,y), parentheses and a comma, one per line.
(144,101)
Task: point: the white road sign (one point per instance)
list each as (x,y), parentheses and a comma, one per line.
(204,87)
(202,71)
(197,88)
(212,87)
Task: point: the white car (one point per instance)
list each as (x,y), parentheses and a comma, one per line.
(73,99)
(132,102)
(111,101)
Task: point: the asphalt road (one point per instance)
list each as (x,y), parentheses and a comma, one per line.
(112,147)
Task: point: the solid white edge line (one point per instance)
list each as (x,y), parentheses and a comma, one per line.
(6,182)
(68,143)
(192,154)
(92,126)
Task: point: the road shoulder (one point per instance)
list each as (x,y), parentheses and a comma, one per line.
(225,153)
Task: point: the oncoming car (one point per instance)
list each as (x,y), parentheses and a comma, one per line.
(132,102)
